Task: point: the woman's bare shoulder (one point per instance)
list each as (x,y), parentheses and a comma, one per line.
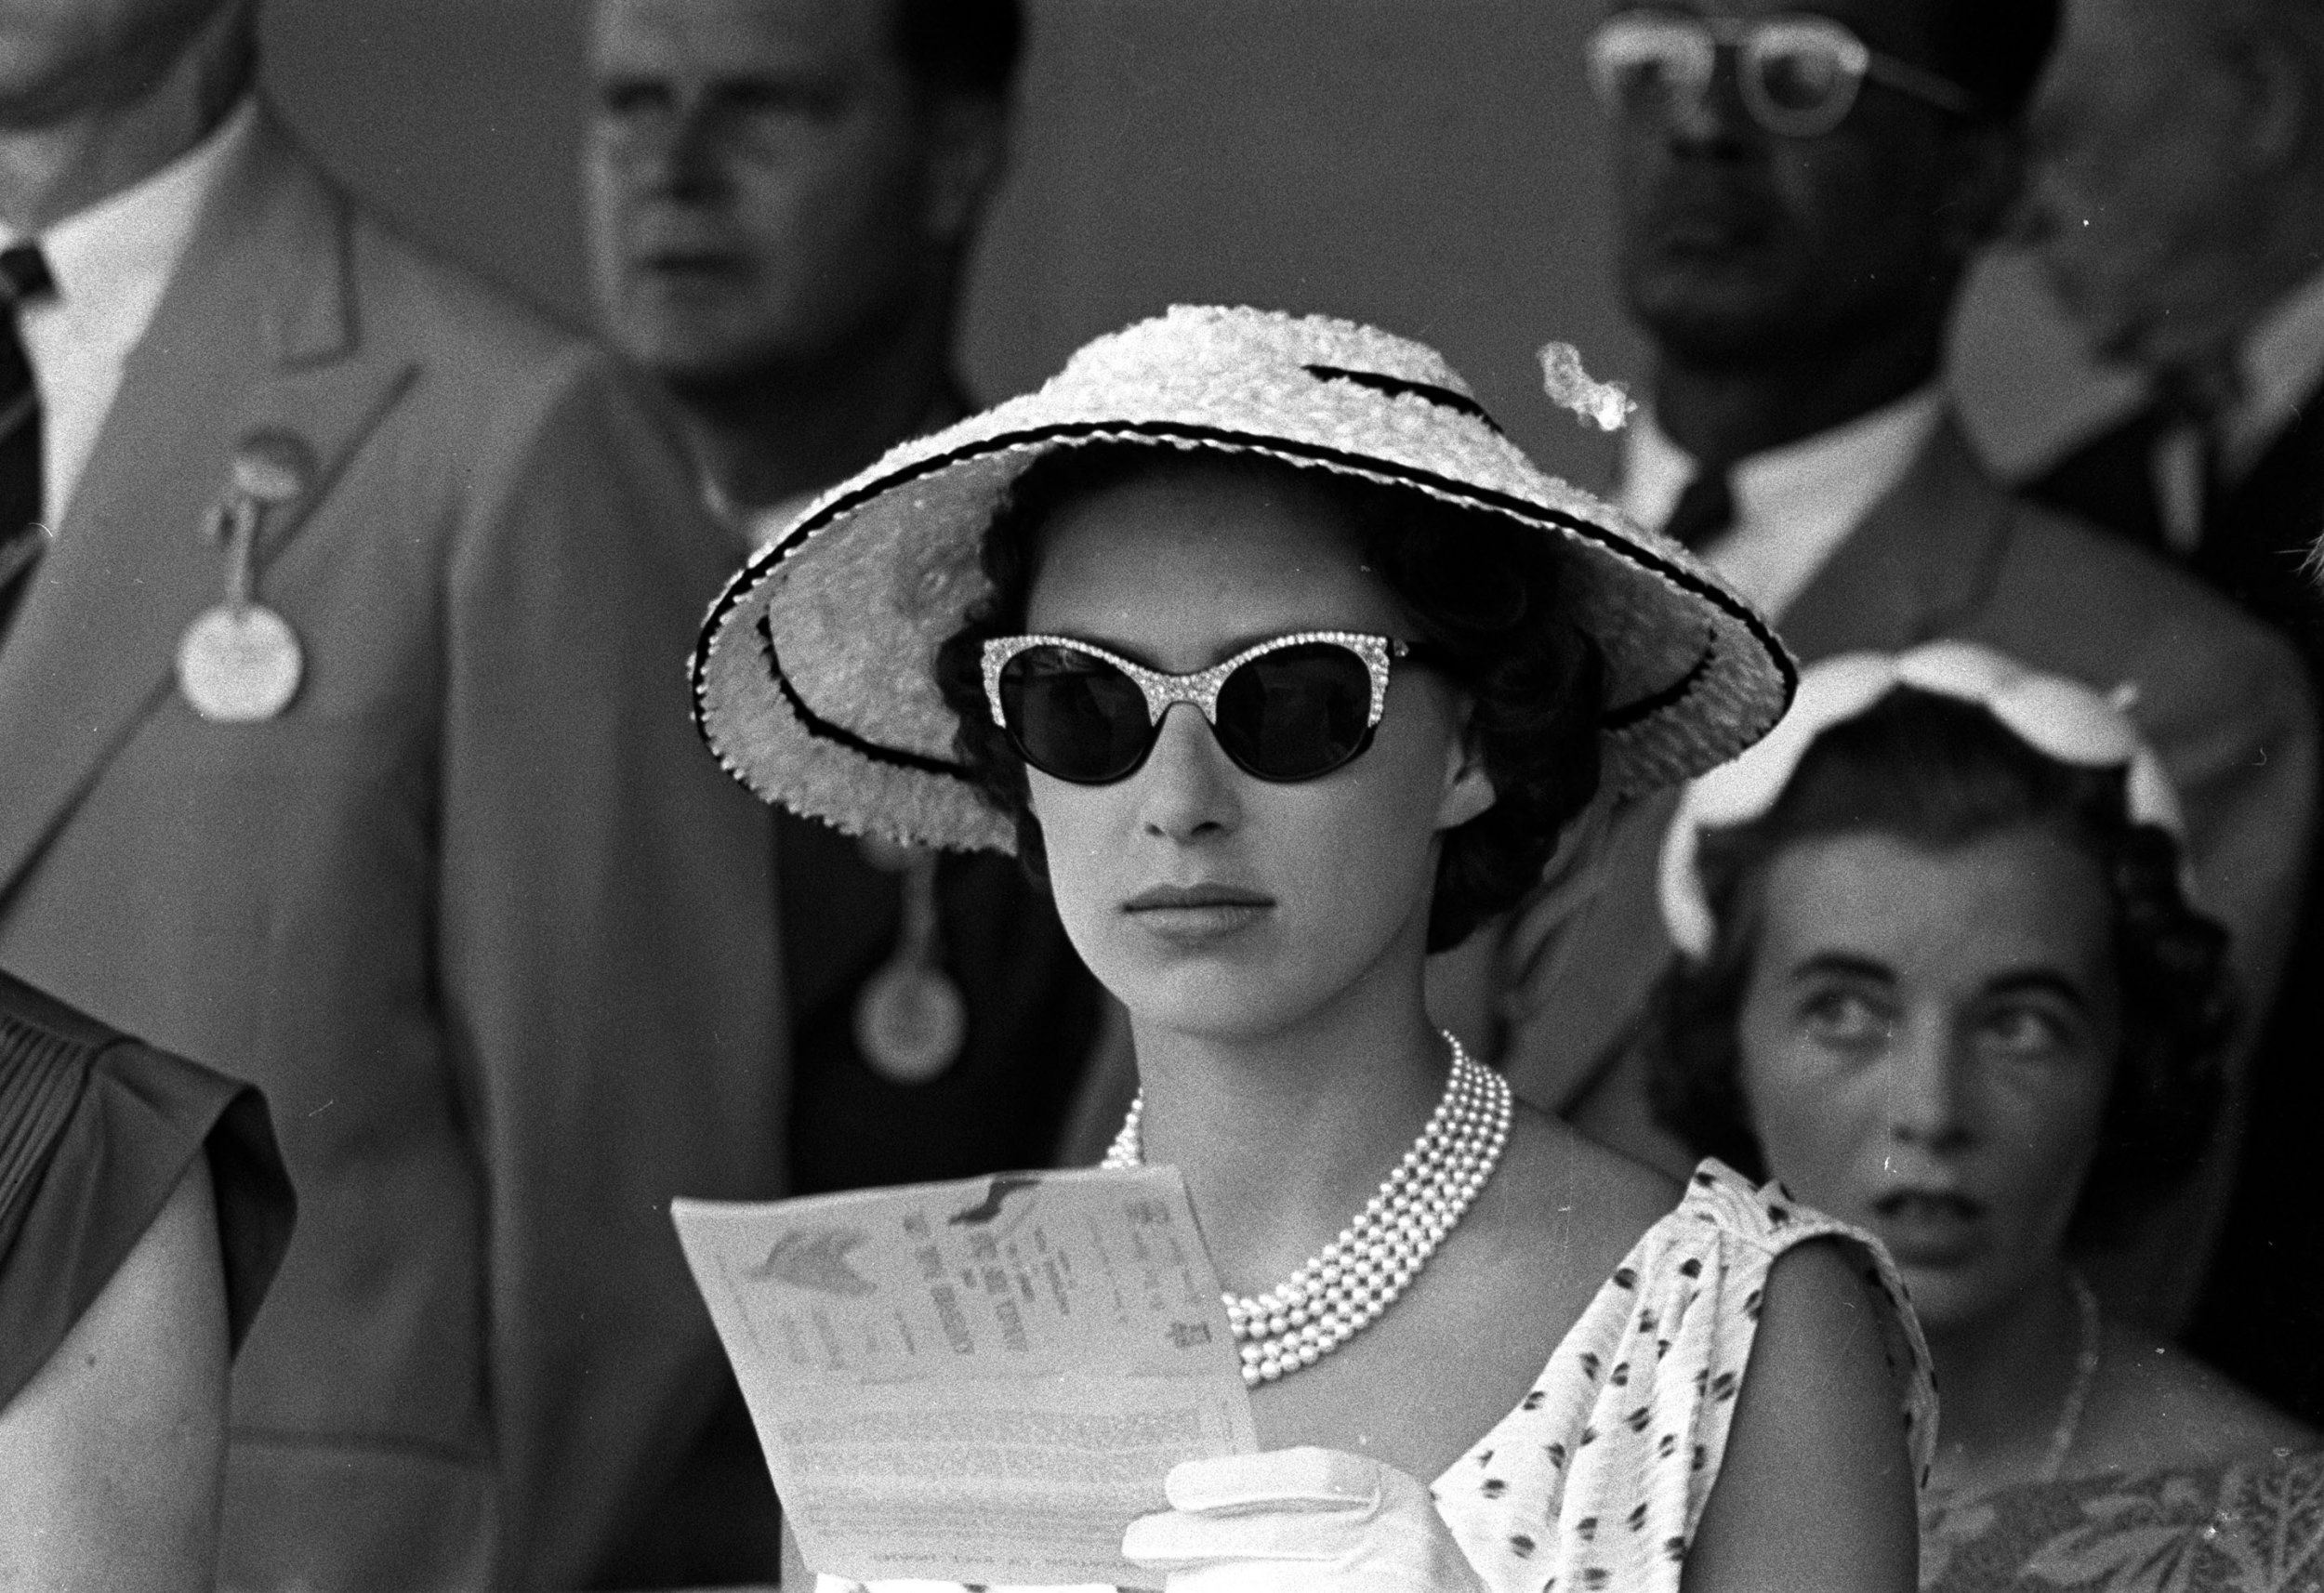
(1595,1203)
(2156,1405)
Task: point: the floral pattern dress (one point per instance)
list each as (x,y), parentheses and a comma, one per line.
(2253,1527)
(1599,1475)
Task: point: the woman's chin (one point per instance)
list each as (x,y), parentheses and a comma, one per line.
(1216,1007)
(1232,974)
(1218,995)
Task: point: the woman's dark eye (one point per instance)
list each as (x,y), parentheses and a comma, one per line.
(2028,1032)
(1846,1018)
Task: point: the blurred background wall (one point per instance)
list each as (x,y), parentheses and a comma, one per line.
(1432,164)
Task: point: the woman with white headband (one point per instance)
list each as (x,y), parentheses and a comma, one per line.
(1256,639)
(1941,978)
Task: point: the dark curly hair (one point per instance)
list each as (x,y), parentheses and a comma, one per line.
(1941,773)
(1480,590)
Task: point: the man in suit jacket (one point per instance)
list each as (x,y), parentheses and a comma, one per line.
(1797,286)
(783,197)
(470,903)
(2178,205)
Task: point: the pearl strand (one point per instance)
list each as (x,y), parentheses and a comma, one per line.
(1337,1293)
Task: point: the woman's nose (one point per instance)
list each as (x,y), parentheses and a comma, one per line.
(1927,1094)
(1187,788)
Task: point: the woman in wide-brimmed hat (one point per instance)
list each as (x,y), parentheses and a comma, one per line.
(1256,639)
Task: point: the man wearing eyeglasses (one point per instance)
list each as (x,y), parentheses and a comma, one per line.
(1800,192)
(2178,206)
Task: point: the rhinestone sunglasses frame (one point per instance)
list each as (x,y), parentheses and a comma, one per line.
(1201,687)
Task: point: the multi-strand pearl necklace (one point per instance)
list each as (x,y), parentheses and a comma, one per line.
(1336,1294)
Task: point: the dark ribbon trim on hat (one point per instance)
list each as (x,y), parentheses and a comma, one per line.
(816,725)
(1398,386)
(1073,433)
(1671,696)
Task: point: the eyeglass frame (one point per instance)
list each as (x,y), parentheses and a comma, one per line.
(1163,690)
(1860,62)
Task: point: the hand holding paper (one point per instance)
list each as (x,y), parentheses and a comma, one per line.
(1299,1521)
(978,1381)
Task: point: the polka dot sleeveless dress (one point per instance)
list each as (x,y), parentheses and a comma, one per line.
(1598,1479)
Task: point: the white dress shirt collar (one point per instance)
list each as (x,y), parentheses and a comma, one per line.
(1794,505)
(2282,363)
(111,263)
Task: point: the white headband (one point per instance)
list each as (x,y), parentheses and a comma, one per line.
(2059,718)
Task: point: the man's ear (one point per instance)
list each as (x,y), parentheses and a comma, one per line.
(967,147)
(1467,789)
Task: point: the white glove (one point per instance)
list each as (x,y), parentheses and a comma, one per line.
(1299,1521)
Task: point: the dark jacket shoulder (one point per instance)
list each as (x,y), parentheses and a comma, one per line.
(2089,591)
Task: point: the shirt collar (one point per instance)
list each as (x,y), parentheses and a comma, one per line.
(1655,470)
(1794,504)
(112,264)
(764,527)
(120,252)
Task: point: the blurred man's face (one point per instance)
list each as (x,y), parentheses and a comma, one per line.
(1739,246)
(757,175)
(2134,202)
(61,58)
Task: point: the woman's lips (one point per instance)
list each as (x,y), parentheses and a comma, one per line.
(1930,1227)
(1190,915)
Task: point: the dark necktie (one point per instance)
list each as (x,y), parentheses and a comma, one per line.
(23,277)
(1704,511)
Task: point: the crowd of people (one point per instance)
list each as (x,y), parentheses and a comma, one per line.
(1843,927)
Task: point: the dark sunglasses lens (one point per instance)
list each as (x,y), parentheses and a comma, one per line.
(1297,712)
(1073,715)
(1804,80)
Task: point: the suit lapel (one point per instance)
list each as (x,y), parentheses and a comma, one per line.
(1923,555)
(257,330)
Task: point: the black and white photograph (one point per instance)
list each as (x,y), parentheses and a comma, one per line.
(1180,795)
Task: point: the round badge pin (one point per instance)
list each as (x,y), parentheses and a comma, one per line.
(910,1022)
(239,664)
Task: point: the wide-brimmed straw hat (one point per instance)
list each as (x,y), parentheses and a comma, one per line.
(814,681)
